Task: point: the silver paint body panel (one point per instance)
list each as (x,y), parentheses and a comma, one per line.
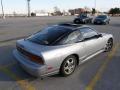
(53,56)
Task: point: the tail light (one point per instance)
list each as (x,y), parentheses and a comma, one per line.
(32,57)
(36,59)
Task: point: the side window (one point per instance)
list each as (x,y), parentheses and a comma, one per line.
(71,38)
(88,32)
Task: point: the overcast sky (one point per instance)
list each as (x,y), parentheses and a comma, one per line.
(21,6)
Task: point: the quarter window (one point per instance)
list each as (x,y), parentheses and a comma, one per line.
(88,32)
(71,38)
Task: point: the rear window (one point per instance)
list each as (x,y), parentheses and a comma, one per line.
(49,35)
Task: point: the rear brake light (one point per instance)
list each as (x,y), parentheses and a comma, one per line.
(32,57)
(36,59)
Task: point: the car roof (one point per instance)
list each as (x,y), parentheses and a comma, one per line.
(71,26)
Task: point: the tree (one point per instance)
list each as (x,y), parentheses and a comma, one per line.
(93,10)
(57,11)
(114,11)
(87,9)
(33,14)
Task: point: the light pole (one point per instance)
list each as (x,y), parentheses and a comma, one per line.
(28,4)
(3,15)
(95,4)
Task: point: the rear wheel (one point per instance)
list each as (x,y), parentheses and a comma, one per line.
(109,45)
(68,66)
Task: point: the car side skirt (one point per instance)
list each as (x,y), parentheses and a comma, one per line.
(91,56)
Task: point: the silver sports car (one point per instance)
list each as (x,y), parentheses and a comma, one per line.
(60,48)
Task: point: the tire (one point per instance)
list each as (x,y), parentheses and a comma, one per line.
(77,21)
(109,45)
(105,23)
(85,22)
(68,66)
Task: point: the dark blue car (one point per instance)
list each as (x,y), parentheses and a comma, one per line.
(102,19)
(82,18)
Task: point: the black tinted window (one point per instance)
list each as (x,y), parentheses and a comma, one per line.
(71,38)
(88,32)
(82,16)
(49,35)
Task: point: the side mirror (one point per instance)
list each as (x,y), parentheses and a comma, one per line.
(100,35)
(81,40)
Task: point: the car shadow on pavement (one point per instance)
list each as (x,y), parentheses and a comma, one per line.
(10,70)
(83,74)
(110,74)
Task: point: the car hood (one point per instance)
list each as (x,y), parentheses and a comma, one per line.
(103,34)
(106,34)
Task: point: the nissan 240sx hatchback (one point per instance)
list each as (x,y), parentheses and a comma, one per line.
(60,48)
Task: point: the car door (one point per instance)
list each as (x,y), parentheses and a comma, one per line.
(92,43)
(73,40)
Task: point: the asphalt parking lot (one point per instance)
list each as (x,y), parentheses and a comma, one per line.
(99,73)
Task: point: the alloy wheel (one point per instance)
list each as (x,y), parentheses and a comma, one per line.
(109,45)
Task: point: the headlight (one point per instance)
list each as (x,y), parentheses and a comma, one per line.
(83,20)
(104,20)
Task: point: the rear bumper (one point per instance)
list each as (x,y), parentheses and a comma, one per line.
(30,67)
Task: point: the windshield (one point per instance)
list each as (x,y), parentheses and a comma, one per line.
(102,16)
(82,16)
(49,35)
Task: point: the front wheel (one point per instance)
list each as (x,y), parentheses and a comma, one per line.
(77,21)
(109,45)
(68,66)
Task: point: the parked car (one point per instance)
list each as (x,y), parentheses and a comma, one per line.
(82,18)
(102,19)
(60,48)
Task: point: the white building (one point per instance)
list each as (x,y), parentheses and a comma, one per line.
(42,13)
